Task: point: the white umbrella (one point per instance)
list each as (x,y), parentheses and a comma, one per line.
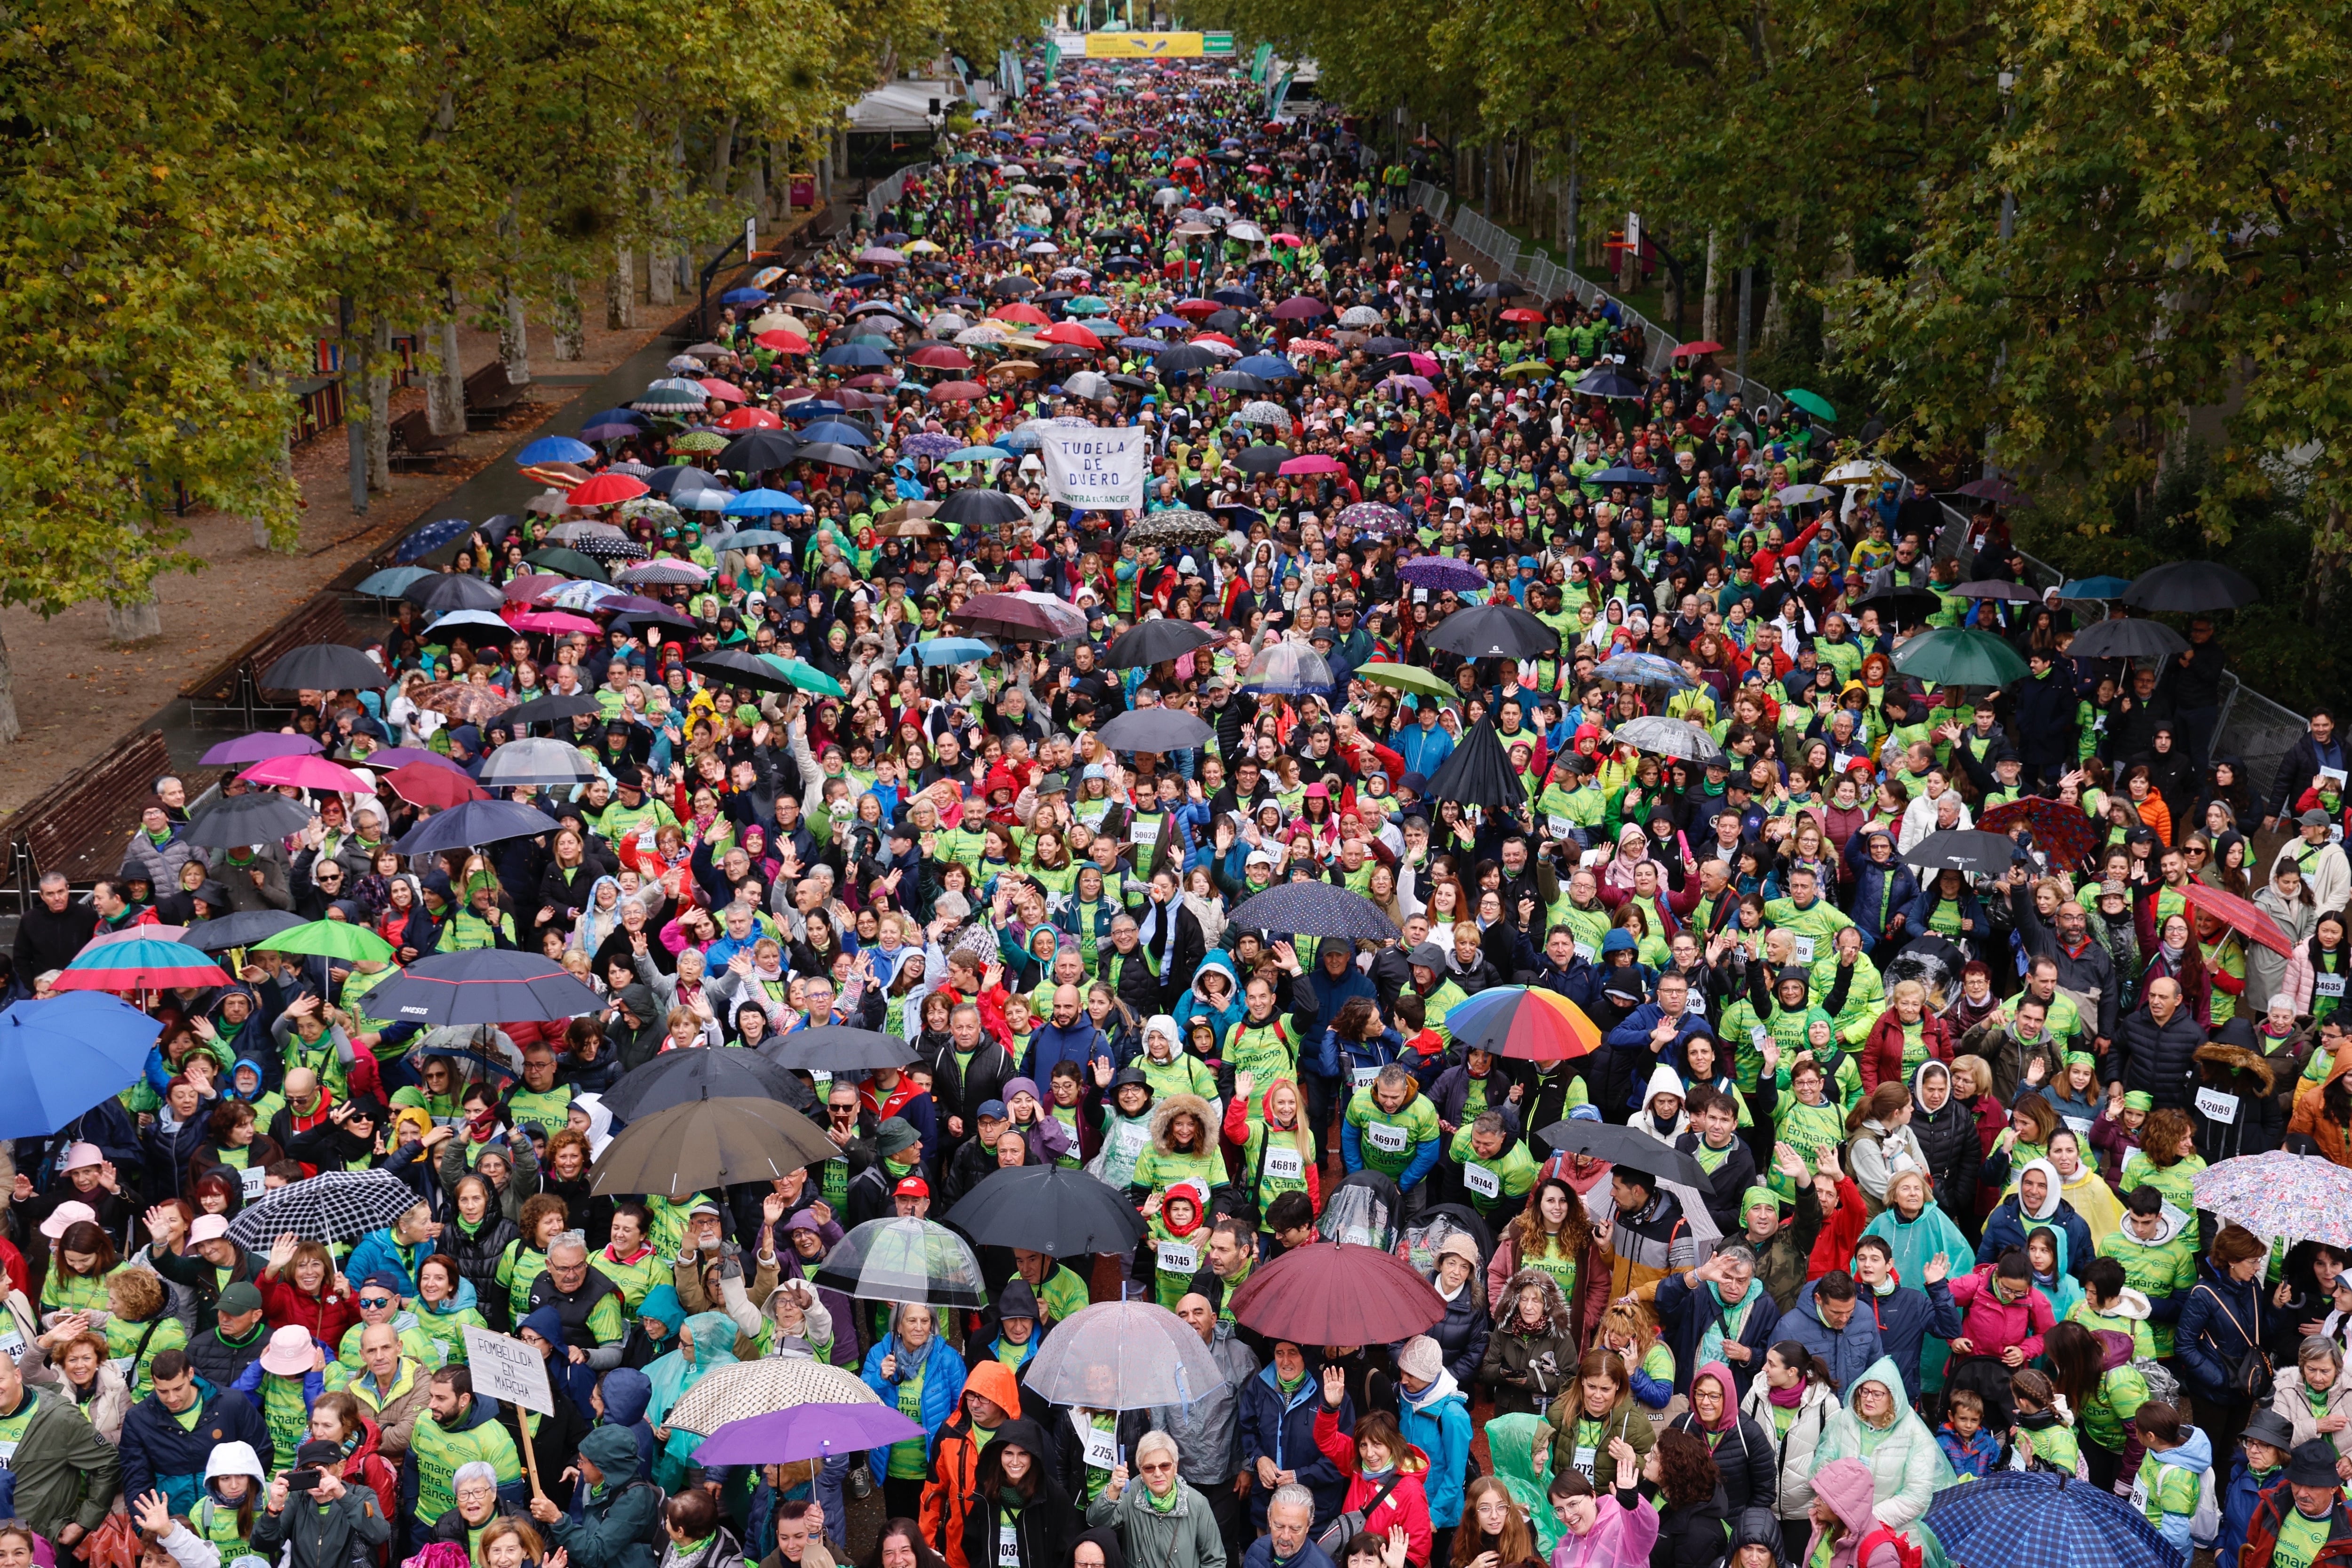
(1360,316)
(1249,233)
(1168,196)
(1043,248)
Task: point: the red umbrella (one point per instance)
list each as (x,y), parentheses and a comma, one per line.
(607,489)
(1704,346)
(1337,1293)
(750,419)
(1070,334)
(1196,309)
(1300,308)
(2063,832)
(725,391)
(421,784)
(941,356)
(1521,314)
(1022,312)
(957,391)
(2238,916)
(783,343)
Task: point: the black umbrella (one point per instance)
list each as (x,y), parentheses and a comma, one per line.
(674,1077)
(1067,1213)
(1496,631)
(836,1048)
(1240,381)
(1907,606)
(2189,586)
(1500,288)
(985,507)
(1387,345)
(548,711)
(756,449)
(323,666)
(1965,850)
(708,1143)
(1155,729)
(1257,461)
(1226,321)
(1012,286)
(733,667)
(2127,639)
(242,929)
(1624,1146)
(453,591)
(1154,641)
(1182,360)
(1478,772)
(482,985)
(238,820)
(1314,909)
(1610,384)
(661,617)
(472,823)
(680,478)
(836,454)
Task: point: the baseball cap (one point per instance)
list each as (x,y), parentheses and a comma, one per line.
(2314,817)
(993,1110)
(238,1299)
(912,1187)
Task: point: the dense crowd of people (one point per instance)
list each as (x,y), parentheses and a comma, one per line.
(1949,1123)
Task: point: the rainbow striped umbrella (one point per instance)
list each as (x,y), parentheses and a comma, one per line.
(1523,1021)
(138,964)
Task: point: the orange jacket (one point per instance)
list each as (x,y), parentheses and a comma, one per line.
(949,1494)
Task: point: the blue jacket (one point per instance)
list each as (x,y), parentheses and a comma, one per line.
(1683,1314)
(1261,1553)
(1331,995)
(1634,1036)
(1080,1044)
(158,1452)
(1848,1354)
(1438,1424)
(943,1374)
(377,1252)
(2006,1227)
(1892,887)
(1283,1429)
(1194,1004)
(1906,1319)
(1335,1058)
(1979,929)
(627,1393)
(1424,752)
(2240,1497)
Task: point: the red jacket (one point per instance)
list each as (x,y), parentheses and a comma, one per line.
(2262,1532)
(1407,1505)
(328,1315)
(1881,1060)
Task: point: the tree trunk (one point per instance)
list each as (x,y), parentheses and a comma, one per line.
(282,462)
(1670,293)
(380,409)
(11,731)
(514,337)
(357,382)
(620,291)
(134,622)
(1708,312)
(445,378)
(722,159)
(571,338)
(2331,544)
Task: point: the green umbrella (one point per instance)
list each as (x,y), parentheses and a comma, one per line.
(1812,402)
(807,677)
(1408,678)
(330,939)
(1958,657)
(570,563)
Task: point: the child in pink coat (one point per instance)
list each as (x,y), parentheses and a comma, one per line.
(1613,1532)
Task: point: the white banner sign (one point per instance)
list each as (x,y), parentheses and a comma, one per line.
(508,1369)
(1095,469)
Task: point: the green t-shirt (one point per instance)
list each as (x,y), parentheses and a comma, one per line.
(13,1427)
(907,1457)
(2300,1540)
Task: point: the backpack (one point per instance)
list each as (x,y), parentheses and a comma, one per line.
(657,1533)
(1907,1553)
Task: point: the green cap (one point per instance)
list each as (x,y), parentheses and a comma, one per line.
(2081,1059)
(2138,1099)
(1756,1195)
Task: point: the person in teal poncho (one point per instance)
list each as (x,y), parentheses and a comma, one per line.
(1916,1231)
(706,1342)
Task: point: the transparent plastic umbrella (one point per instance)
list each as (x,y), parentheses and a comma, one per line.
(1290,670)
(904,1260)
(1122,1355)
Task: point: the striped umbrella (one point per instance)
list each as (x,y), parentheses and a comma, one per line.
(141,965)
(1523,1021)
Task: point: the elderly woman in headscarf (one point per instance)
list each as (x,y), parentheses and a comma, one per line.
(706,1341)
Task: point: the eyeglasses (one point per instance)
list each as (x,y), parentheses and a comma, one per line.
(375,1300)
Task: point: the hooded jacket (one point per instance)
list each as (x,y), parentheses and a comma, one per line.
(1745,1454)
(1848,1487)
(1906,1465)
(607,1526)
(1686,1314)
(2311,1118)
(2010,1223)
(1793,1450)
(1947,1137)
(950,1494)
(2236,1109)
(1527,1368)
(1281,1427)
(1195,1003)
(1993,1325)
(1436,1421)
(2174,1480)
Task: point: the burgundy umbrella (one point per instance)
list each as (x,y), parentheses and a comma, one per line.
(2240,915)
(1337,1293)
(1299,308)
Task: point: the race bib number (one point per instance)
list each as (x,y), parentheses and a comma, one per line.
(2217,1106)
(1100,1445)
(1008,1547)
(2327,986)
(12,1343)
(1560,826)
(1800,949)
(1760,1036)
(1363,1077)
(1130,1140)
(2140,1495)
(1143,830)
(1286,1165)
(1581,1462)
(2081,1125)
(1175,1258)
(1587,952)
(1696,1006)
(1482,1181)
(122,1365)
(250,1181)
(1387,1138)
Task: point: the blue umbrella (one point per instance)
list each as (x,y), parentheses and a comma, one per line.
(1643,669)
(761,503)
(933,651)
(2095,588)
(1610,383)
(976,454)
(862,280)
(554,449)
(616,416)
(2033,1520)
(426,538)
(812,409)
(1242,298)
(1622,474)
(840,430)
(1163,322)
(745,297)
(1266,365)
(1313,909)
(755,538)
(388,582)
(863,356)
(473,823)
(1141,345)
(59,1058)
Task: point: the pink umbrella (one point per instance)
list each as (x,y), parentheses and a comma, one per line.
(533,585)
(725,391)
(552,621)
(134,933)
(1313,463)
(1408,382)
(1422,364)
(305,772)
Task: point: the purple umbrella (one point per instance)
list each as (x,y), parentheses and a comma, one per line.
(1408,383)
(611,432)
(929,444)
(261,746)
(805,1432)
(1441,572)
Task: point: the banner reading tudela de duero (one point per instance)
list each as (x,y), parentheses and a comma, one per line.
(1094,470)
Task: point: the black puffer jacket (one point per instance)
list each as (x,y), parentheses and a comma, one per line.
(1949,1138)
(1463,1332)
(1749,1459)
(476,1256)
(2161,1059)
(2236,1111)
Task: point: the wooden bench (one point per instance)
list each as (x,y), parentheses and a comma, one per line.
(489,393)
(414,443)
(79,826)
(321,619)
